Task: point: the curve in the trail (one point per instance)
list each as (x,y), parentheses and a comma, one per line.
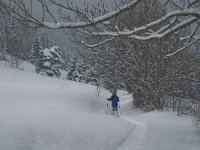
(135,139)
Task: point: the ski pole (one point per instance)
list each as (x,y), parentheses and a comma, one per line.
(107,108)
(119,113)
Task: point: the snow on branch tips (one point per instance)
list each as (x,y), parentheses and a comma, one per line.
(23,13)
(184,47)
(192,14)
(100,21)
(98,44)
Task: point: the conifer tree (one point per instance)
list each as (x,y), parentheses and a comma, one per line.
(91,77)
(35,50)
(50,62)
(73,73)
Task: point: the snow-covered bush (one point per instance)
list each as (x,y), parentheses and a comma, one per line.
(50,62)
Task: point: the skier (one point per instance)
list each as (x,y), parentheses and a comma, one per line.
(115,100)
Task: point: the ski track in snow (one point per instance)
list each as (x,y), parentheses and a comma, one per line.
(136,137)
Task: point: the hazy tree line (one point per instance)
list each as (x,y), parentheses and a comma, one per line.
(20,43)
(15,39)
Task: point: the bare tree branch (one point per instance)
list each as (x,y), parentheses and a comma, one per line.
(184,47)
(170,23)
(71,25)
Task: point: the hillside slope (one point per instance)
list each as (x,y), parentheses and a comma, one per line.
(42,113)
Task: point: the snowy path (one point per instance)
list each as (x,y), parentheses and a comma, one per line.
(136,137)
(157,130)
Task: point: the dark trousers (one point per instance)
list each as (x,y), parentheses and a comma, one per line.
(115,109)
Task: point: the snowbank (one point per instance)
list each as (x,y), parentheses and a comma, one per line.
(42,113)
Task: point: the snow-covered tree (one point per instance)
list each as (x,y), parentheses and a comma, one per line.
(3,38)
(50,62)
(141,67)
(75,72)
(36,48)
(15,38)
(14,43)
(81,72)
(92,77)
(26,35)
(2,33)
(46,41)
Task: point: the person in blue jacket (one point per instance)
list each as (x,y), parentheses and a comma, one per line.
(115,101)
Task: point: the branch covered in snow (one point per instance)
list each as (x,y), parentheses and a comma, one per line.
(20,11)
(184,47)
(99,43)
(73,17)
(193,14)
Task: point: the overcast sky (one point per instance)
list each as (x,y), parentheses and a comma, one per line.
(59,34)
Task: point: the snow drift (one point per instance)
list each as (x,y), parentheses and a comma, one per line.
(41,113)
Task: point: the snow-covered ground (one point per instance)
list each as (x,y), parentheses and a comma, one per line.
(41,113)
